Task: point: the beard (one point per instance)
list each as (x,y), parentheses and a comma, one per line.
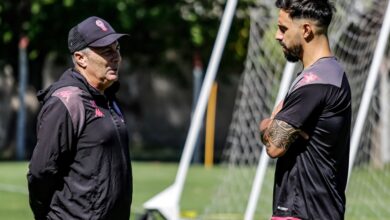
(292,54)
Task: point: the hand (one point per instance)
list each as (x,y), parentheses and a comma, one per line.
(304,135)
(277,109)
(264,124)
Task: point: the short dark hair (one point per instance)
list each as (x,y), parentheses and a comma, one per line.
(318,10)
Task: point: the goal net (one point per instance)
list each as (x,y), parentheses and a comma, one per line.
(354,34)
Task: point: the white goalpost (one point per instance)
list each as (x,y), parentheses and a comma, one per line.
(167,202)
(369,87)
(359,35)
(263,162)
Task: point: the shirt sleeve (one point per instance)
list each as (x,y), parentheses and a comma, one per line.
(50,156)
(302,106)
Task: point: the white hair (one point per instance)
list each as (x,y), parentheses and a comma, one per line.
(85,51)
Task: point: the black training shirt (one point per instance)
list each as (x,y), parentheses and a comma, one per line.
(310,179)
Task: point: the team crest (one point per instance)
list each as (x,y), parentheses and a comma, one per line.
(98,113)
(308,78)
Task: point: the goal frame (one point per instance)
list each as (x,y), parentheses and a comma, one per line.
(167,201)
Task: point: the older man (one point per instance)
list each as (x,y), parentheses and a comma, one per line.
(80,168)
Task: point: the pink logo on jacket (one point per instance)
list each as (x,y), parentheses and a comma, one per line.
(98,113)
(65,95)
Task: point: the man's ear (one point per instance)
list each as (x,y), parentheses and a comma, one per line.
(308,32)
(80,59)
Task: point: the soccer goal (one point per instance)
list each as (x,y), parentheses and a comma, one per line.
(358,36)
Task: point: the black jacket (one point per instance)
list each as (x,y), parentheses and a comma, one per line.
(80,168)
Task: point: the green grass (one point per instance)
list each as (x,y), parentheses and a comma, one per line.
(152,178)
(366,186)
(368,194)
(149,179)
(13,192)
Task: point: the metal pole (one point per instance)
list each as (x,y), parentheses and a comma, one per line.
(263,162)
(369,88)
(167,201)
(23,76)
(384,112)
(198,79)
(210,127)
(205,91)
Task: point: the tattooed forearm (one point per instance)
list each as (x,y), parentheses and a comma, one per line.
(281,134)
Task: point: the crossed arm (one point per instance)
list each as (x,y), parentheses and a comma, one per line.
(277,135)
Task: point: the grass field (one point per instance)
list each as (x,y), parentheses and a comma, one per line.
(149,179)
(368,196)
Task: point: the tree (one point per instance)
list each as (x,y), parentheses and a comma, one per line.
(161,31)
(164,35)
